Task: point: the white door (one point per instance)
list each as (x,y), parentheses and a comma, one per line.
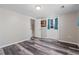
(40,32)
(43,32)
(38,28)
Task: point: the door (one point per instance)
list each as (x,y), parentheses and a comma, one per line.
(38,28)
(33,27)
(43,29)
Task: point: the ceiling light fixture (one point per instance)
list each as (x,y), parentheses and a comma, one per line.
(38,7)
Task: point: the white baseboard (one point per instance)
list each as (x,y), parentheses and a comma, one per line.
(13,43)
(69,42)
(61,41)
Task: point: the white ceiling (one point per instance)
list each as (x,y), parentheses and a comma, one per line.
(46,9)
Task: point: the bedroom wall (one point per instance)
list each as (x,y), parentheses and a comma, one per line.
(14,27)
(45,32)
(68,28)
(77,27)
(52,33)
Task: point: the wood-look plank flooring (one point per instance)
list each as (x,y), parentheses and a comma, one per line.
(38,47)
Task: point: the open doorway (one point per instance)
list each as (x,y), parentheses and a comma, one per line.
(33,27)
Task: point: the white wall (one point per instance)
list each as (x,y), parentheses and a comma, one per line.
(77,28)
(45,32)
(52,33)
(68,28)
(13,27)
(40,32)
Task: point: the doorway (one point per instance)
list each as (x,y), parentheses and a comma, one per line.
(33,27)
(43,28)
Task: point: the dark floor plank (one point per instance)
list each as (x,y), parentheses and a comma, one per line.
(61,46)
(39,47)
(11,50)
(32,49)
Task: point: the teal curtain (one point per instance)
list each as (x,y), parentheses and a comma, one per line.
(56,23)
(48,23)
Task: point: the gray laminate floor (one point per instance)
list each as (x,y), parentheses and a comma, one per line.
(38,47)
